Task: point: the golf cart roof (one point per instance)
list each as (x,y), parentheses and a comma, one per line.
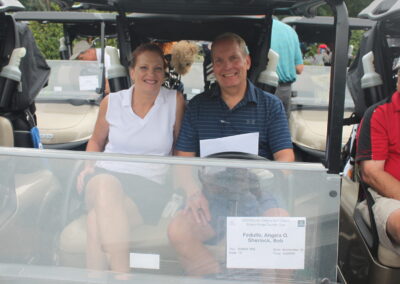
(381,10)
(327,22)
(203,7)
(76,23)
(10,6)
(64,17)
(321,28)
(193,27)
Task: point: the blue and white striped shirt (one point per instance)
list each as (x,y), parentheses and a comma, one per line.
(207,117)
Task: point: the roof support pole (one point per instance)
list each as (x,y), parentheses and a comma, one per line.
(260,59)
(337,88)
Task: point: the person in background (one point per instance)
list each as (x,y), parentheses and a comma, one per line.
(326,54)
(82,50)
(285,42)
(378,154)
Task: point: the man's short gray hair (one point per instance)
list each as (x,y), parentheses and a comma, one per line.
(233,37)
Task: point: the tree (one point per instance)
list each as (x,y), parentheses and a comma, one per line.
(37,5)
(353,6)
(46,35)
(47,38)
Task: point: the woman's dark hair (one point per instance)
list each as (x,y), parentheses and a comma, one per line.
(151,47)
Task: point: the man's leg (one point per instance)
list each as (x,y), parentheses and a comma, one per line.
(387,219)
(187,237)
(393,226)
(283,276)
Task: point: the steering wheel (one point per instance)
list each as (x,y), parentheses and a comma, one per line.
(237,155)
(273,179)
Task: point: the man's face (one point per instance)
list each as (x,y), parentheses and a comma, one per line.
(88,55)
(230,64)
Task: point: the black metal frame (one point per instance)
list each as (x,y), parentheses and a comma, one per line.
(199,7)
(337,89)
(332,159)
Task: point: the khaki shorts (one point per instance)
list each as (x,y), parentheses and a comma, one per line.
(382,209)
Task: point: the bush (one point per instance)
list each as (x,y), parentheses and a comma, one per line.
(47,38)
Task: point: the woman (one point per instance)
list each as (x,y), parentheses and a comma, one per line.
(144,120)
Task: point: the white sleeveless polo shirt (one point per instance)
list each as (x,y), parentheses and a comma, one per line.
(131,134)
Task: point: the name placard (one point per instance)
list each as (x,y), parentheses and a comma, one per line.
(266,242)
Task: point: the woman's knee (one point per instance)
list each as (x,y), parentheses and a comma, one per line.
(104,190)
(179,228)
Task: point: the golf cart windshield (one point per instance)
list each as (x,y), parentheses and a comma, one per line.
(72,80)
(312,88)
(305,243)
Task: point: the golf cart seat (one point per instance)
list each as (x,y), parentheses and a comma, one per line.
(146,239)
(6,133)
(384,255)
(153,239)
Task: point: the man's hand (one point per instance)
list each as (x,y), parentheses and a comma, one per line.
(285,155)
(198,205)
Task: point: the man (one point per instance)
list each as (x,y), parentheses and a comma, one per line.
(285,42)
(378,153)
(235,107)
(82,50)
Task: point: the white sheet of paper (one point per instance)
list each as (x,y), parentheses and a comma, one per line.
(57,89)
(144,260)
(247,143)
(266,242)
(88,83)
(196,91)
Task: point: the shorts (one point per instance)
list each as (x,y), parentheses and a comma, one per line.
(243,204)
(150,197)
(382,209)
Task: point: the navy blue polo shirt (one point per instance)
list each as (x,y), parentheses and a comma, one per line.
(207,117)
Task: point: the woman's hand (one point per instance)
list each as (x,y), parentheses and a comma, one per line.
(80,182)
(198,205)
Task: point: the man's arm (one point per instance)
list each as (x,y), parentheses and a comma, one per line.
(373,173)
(285,155)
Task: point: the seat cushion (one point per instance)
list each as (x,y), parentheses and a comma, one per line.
(388,257)
(385,256)
(150,239)
(145,239)
(6,133)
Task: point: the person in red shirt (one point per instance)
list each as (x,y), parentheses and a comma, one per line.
(378,154)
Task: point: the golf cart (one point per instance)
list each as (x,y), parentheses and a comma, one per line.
(309,113)
(361,256)
(43,232)
(67,107)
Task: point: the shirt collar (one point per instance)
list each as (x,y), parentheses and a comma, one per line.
(127,97)
(249,96)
